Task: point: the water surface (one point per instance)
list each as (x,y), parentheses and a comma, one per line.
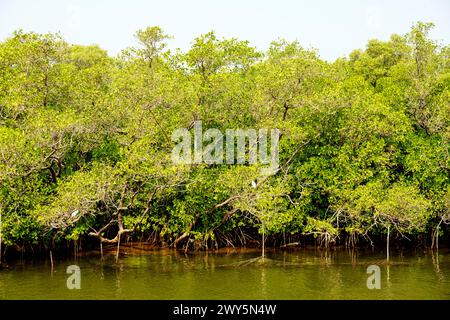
(143,273)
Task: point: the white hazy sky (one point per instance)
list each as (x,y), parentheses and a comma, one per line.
(335,28)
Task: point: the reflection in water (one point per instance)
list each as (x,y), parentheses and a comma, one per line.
(388,276)
(102,274)
(353,255)
(263,282)
(140,273)
(435,258)
(119,269)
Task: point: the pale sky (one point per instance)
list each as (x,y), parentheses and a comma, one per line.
(335,28)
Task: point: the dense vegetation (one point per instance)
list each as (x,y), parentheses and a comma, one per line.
(85,142)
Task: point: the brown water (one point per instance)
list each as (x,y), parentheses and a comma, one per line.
(144,273)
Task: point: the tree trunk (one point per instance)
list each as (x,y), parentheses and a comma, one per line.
(263,240)
(437,237)
(118,248)
(51,261)
(387,244)
(116,239)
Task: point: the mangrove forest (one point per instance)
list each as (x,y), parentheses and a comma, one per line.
(86,143)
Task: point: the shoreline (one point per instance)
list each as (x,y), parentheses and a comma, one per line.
(145,248)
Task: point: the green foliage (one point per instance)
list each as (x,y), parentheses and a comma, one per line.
(85,139)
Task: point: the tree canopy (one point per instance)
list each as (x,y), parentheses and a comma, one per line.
(85,141)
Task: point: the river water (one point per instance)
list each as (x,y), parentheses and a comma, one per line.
(142,272)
